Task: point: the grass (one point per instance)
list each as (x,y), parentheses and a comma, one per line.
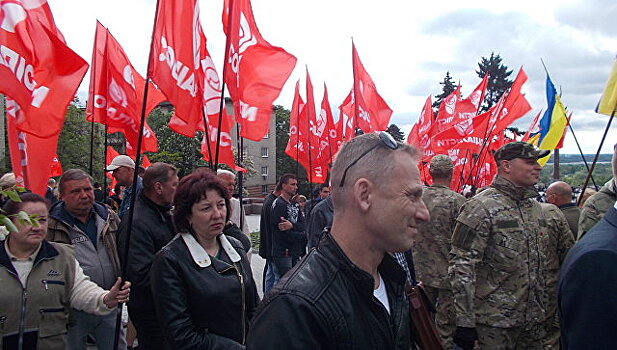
(255,240)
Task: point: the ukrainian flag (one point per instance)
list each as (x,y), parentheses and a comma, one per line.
(554,121)
(608,101)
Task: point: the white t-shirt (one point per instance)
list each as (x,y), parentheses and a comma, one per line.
(381,294)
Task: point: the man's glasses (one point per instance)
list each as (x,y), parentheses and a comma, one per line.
(386,140)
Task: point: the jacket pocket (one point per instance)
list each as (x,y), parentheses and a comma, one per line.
(53,322)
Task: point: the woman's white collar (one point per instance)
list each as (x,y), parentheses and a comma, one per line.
(199,254)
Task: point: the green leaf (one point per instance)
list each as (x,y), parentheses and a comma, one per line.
(12,194)
(9,224)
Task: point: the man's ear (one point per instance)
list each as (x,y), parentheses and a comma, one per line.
(506,166)
(158,188)
(362,193)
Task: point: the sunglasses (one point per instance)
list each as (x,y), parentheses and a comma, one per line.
(386,140)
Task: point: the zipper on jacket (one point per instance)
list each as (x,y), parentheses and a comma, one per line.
(243,313)
(2,321)
(24,299)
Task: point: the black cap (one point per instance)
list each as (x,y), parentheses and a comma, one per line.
(519,149)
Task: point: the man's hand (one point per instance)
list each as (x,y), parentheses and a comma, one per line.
(285,225)
(117,295)
(465,337)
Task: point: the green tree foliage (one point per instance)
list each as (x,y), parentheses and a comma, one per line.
(498,81)
(180,151)
(574,174)
(448,87)
(74,142)
(284,163)
(396,133)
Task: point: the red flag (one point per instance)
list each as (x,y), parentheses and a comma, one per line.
(446,112)
(469,134)
(477,95)
(111,154)
(531,127)
(56,167)
(311,131)
(116,92)
(37,69)
(330,139)
(373,112)
(145,162)
(420,135)
(255,71)
(31,156)
(346,111)
(565,130)
(177,51)
(514,106)
(297,146)
(226,155)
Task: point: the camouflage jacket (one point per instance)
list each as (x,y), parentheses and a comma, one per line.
(495,261)
(596,206)
(432,243)
(556,239)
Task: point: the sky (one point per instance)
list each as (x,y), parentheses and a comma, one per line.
(406,46)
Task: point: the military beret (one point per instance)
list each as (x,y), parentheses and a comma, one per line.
(519,149)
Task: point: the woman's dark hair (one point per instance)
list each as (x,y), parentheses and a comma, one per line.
(191,189)
(11,207)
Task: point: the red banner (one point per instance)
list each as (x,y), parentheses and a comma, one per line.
(297,146)
(255,71)
(37,69)
(421,132)
(116,93)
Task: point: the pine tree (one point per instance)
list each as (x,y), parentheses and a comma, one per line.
(448,87)
(498,81)
(396,132)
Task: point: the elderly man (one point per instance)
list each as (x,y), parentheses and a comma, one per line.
(559,193)
(348,293)
(123,170)
(237,214)
(496,258)
(91,228)
(432,243)
(152,229)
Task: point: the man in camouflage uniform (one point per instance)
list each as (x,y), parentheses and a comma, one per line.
(599,203)
(556,239)
(559,193)
(495,261)
(432,243)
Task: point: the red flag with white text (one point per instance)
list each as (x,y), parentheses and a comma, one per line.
(116,93)
(37,69)
(421,133)
(56,166)
(373,112)
(330,139)
(346,113)
(255,71)
(297,145)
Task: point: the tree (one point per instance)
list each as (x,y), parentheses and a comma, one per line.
(498,81)
(74,142)
(396,133)
(448,87)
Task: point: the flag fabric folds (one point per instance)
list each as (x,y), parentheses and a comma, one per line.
(608,100)
(371,113)
(254,70)
(116,94)
(37,69)
(553,122)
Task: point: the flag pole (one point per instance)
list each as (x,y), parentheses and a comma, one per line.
(239,159)
(207,134)
(582,155)
(222,104)
(105,192)
(118,329)
(355,90)
(91,146)
(595,159)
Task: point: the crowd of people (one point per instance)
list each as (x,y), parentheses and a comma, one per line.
(337,265)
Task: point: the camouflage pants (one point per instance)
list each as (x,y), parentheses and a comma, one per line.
(445,319)
(527,337)
(551,340)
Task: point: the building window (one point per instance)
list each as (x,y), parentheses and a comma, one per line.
(264,188)
(267,135)
(264,171)
(264,152)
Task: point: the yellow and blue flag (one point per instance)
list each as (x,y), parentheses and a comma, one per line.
(554,121)
(608,101)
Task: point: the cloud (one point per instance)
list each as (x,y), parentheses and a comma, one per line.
(591,15)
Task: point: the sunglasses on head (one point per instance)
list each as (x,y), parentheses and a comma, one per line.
(385,140)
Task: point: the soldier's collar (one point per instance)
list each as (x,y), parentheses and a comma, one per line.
(513,191)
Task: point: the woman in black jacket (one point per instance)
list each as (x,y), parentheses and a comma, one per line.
(202,283)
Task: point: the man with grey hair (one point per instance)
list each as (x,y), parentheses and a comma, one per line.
(349,291)
(151,230)
(432,243)
(122,168)
(91,229)
(559,193)
(237,215)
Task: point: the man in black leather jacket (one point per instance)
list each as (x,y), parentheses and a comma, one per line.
(349,292)
(152,229)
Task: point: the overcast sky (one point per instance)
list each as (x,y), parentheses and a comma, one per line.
(406,46)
